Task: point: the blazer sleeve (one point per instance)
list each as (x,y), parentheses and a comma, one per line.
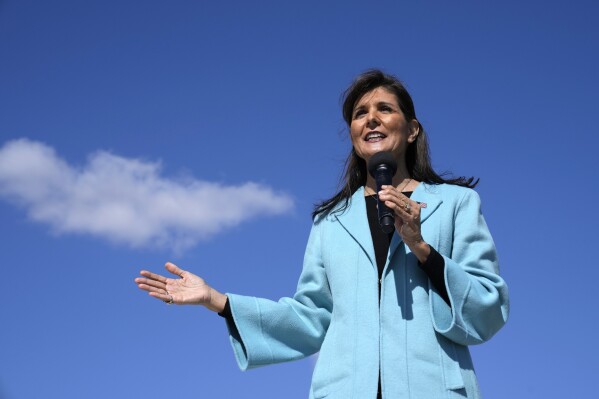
(479,304)
(270,332)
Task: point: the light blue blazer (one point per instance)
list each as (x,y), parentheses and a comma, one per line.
(417,341)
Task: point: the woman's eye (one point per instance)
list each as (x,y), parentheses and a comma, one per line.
(359,113)
(385,108)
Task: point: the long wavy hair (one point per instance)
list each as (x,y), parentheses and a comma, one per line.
(418,160)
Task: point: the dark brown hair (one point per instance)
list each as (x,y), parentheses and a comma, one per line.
(418,160)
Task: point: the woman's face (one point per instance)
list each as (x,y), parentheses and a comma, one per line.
(378,124)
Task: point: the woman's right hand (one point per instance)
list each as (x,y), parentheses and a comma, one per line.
(188,289)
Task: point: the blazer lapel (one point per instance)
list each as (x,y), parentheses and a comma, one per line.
(427,194)
(355,221)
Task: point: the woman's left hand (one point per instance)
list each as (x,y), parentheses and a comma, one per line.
(407,220)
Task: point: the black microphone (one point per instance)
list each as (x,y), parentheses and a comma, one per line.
(382,167)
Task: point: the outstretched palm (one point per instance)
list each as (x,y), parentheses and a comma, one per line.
(188,289)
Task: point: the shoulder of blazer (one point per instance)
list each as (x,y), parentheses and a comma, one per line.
(450,194)
(338,210)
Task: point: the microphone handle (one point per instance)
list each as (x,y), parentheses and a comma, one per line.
(384,177)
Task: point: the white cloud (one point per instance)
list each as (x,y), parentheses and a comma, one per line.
(126,200)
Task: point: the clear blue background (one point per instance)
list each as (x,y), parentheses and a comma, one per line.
(249,90)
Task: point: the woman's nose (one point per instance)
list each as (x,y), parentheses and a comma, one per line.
(373,120)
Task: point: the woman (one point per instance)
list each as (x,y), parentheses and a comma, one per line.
(391,314)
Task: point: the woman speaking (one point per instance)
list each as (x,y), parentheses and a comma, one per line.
(392,309)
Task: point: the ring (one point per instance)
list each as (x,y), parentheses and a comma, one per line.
(170,301)
(407,206)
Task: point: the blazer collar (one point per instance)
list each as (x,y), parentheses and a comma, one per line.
(427,194)
(355,221)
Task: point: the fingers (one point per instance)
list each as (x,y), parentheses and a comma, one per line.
(151,283)
(153,276)
(171,267)
(168,298)
(403,206)
(392,192)
(151,288)
(158,286)
(155,289)
(403,212)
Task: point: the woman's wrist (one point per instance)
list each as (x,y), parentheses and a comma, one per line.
(217,302)
(421,250)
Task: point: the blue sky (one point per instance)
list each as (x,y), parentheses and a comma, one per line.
(165,113)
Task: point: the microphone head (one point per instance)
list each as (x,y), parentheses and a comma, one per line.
(382,158)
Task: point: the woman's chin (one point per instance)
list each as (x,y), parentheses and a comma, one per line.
(368,154)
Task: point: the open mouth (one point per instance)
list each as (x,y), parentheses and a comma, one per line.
(373,137)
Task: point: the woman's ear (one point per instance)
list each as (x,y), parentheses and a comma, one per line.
(414,130)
